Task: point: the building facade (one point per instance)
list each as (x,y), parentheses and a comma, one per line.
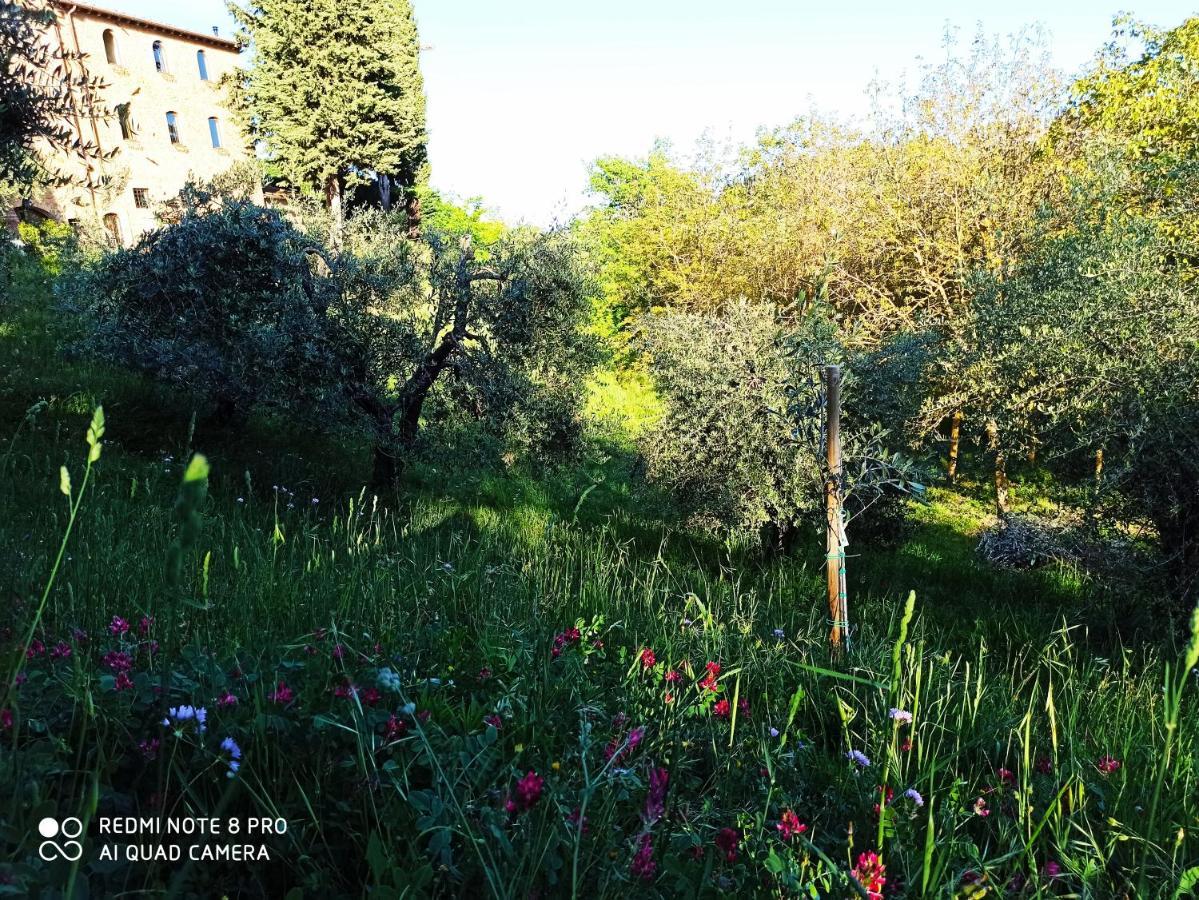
(159,115)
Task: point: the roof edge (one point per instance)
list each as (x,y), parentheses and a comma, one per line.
(121,18)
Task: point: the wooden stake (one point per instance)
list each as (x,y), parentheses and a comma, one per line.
(955,440)
(1001,482)
(838,600)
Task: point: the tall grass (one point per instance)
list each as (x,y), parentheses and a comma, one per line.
(399,783)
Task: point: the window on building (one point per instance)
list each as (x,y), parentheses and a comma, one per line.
(75,224)
(160,57)
(214,131)
(141,198)
(202,64)
(173,127)
(110,47)
(125,120)
(112,224)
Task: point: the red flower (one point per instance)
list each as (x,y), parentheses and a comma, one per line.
(643,866)
(672,676)
(527,794)
(494,721)
(36,648)
(980,808)
(424,715)
(727,842)
(370,696)
(145,625)
(5,719)
(281,694)
(61,650)
(871,874)
(123,683)
(1108,764)
(117,660)
(484,673)
(226,699)
(648,660)
(890,796)
(789,825)
(118,626)
(669,697)
(721,709)
(1006,776)
(149,748)
(1052,869)
(743,706)
(906,746)
(338,651)
(395,728)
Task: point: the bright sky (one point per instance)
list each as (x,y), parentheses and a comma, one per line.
(524,94)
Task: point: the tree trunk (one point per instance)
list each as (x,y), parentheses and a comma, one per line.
(955,440)
(385,192)
(412,206)
(1177,519)
(1001,482)
(384,471)
(1099,466)
(336,216)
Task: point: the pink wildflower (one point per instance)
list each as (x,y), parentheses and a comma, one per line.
(395,728)
(1108,764)
(789,825)
(61,650)
(282,694)
(643,866)
(118,626)
(5,719)
(226,699)
(145,625)
(1006,776)
(494,721)
(871,874)
(36,648)
(527,794)
(722,709)
(672,676)
(655,800)
(980,808)
(727,841)
(117,660)
(648,659)
(123,682)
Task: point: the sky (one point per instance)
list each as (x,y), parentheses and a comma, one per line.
(524,94)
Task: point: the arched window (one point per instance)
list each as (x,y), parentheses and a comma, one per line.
(214,132)
(110,47)
(125,120)
(160,57)
(202,64)
(112,224)
(173,127)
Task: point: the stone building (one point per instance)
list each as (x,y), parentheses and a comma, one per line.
(160,106)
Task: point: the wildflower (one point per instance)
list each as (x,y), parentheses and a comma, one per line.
(743,707)
(226,700)
(727,842)
(980,808)
(484,673)
(779,634)
(181,714)
(395,728)
(151,647)
(344,691)
(145,625)
(1108,764)
(648,660)
(889,796)
(1044,765)
(494,721)
(577,820)
(721,709)
(528,793)
(914,795)
(5,719)
(789,825)
(708,683)
(36,648)
(118,626)
(655,800)
(338,651)
(123,682)
(282,694)
(117,660)
(230,746)
(423,716)
(1006,776)
(149,748)
(901,716)
(906,746)
(858,758)
(389,680)
(370,696)
(643,865)
(1053,869)
(61,650)
(871,874)
(672,676)
(774,732)
(668,697)
(79,636)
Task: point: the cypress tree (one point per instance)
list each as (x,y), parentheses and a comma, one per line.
(335,93)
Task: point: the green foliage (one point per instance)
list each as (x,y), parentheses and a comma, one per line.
(51,242)
(726,444)
(1091,344)
(38,91)
(335,90)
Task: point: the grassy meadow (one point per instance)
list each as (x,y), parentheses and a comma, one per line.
(532,684)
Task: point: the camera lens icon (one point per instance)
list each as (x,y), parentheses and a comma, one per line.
(69,849)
